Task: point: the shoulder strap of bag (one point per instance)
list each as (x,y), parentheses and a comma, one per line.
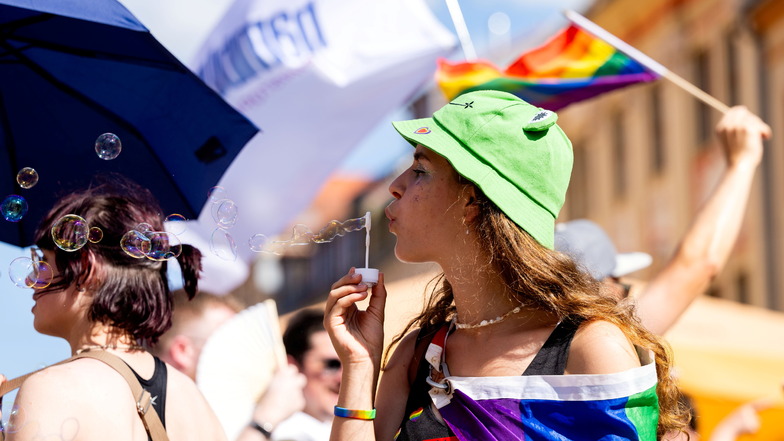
(152,423)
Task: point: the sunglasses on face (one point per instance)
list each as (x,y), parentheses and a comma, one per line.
(331,365)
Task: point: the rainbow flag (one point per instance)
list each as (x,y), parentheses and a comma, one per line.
(621,406)
(573,66)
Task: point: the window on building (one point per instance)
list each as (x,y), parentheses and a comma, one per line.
(732,67)
(704,129)
(658,158)
(578,187)
(742,287)
(619,155)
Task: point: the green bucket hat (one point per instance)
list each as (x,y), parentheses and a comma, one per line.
(513,151)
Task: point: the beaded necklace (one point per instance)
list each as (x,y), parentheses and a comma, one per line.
(105,347)
(484,323)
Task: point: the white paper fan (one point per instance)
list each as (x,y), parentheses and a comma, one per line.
(237,364)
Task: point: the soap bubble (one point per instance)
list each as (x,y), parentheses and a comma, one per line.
(135,244)
(26,273)
(335,228)
(329,232)
(223,245)
(163,246)
(95,235)
(144,228)
(217,193)
(13,207)
(260,243)
(27,177)
(17,419)
(70,232)
(175,224)
(301,235)
(224,212)
(108,146)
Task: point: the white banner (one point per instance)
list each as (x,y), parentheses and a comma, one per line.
(316,76)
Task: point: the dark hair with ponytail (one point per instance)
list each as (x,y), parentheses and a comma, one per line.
(131,294)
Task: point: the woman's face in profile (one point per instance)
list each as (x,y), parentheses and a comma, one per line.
(426,215)
(53,305)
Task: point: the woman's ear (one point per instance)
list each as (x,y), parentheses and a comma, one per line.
(471,207)
(91,271)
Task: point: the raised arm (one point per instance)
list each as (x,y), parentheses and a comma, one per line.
(705,247)
(358,337)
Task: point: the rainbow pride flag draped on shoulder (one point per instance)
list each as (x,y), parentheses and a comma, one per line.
(621,406)
(573,66)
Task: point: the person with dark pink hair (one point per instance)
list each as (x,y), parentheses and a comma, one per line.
(109,301)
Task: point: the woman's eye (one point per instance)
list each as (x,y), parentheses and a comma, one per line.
(418,171)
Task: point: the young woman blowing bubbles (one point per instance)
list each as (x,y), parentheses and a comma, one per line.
(516,342)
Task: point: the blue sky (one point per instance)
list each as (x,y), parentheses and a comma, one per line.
(181,25)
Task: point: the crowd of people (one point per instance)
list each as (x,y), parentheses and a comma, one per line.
(531,332)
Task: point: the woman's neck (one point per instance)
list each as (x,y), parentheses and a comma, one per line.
(479,292)
(93,336)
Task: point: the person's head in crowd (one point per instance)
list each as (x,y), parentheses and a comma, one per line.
(101,283)
(308,346)
(593,250)
(193,322)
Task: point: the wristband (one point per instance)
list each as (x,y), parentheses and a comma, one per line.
(265,429)
(356,414)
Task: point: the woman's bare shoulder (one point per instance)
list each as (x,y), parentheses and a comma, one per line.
(601,347)
(64,398)
(79,375)
(403,352)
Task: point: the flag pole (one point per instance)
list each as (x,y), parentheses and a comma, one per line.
(462,30)
(617,43)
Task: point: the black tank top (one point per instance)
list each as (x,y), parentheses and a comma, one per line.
(420,424)
(156,386)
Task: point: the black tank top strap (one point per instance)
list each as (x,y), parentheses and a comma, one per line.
(552,357)
(419,422)
(156,386)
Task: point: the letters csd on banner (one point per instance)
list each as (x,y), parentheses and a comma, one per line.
(316,76)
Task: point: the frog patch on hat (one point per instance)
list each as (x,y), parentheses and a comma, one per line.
(542,120)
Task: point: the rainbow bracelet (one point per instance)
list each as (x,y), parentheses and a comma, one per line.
(356,414)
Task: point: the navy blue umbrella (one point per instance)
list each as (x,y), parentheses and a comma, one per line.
(71,70)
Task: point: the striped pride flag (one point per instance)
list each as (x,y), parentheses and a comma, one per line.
(621,406)
(573,66)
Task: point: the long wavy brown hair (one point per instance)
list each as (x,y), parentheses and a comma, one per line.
(550,281)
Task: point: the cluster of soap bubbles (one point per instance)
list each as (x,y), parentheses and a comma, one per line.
(31,272)
(143,242)
(302,235)
(71,232)
(224,212)
(14,207)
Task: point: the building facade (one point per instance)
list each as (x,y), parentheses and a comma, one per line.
(646,157)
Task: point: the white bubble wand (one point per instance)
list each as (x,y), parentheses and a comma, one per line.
(369,275)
